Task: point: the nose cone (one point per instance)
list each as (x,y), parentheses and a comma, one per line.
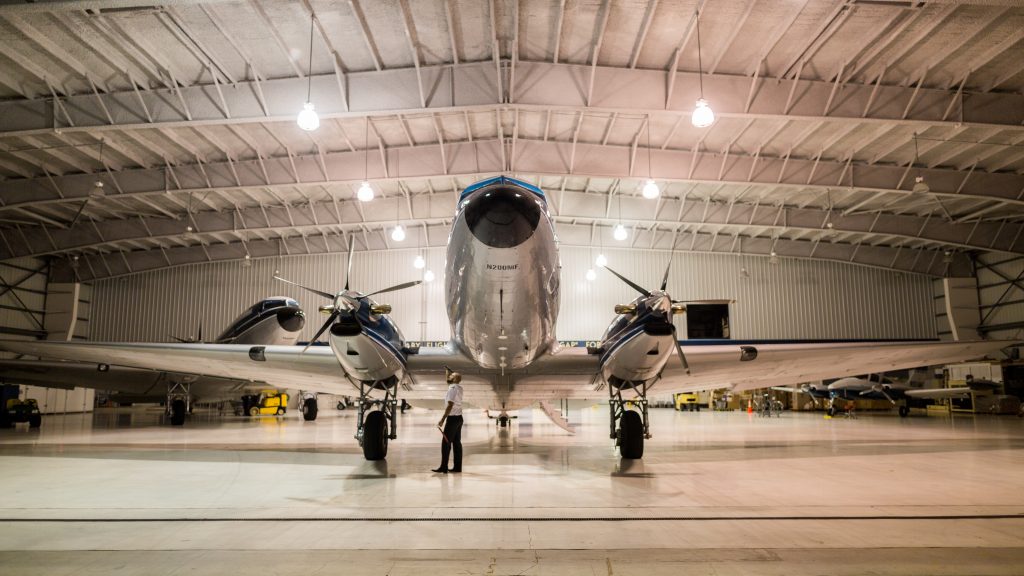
(503,217)
(291,319)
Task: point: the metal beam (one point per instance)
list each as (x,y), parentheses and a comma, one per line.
(614,89)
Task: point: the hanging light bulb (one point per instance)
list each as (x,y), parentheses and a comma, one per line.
(773,258)
(601,261)
(702,116)
(620,233)
(398,234)
(419,262)
(591,275)
(651,190)
(97,190)
(365,193)
(428,276)
(308,119)
(920,186)
(247,262)
(744,273)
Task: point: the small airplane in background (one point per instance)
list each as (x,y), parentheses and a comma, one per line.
(271,321)
(897,391)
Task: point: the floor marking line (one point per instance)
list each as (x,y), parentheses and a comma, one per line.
(527,519)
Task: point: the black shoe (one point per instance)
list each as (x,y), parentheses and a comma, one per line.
(456,470)
(440,470)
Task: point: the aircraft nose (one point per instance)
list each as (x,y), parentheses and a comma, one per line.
(291,319)
(503,217)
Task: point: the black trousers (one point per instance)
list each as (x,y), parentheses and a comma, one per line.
(452,439)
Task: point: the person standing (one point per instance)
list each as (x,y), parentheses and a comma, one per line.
(451,425)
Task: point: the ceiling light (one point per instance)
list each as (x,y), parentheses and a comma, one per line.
(591,275)
(702,116)
(620,233)
(651,190)
(398,234)
(419,262)
(920,186)
(97,190)
(308,120)
(365,193)
(601,261)
(247,262)
(428,276)
(773,258)
(744,273)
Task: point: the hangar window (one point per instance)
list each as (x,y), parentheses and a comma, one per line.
(707,321)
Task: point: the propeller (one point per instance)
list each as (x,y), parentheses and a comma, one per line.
(344,301)
(647,294)
(881,390)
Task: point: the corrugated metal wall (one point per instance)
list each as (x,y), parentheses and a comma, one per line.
(792,299)
(994,288)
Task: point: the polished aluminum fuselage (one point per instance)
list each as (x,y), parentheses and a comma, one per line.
(502,302)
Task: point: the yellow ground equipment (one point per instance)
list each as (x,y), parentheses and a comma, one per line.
(21,411)
(266,403)
(685,402)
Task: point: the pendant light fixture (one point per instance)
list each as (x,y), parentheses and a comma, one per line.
(398,234)
(601,261)
(591,275)
(308,119)
(702,116)
(428,276)
(620,233)
(365,193)
(97,186)
(920,186)
(419,263)
(650,190)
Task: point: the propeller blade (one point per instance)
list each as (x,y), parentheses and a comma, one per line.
(330,320)
(401,286)
(703,301)
(348,267)
(629,282)
(199,337)
(181,340)
(679,351)
(327,295)
(664,280)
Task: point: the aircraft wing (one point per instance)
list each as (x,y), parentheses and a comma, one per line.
(936,393)
(316,370)
(720,366)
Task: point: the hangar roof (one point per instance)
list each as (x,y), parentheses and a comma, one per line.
(827,114)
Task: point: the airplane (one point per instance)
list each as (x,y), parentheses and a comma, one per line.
(502,295)
(272,321)
(880,387)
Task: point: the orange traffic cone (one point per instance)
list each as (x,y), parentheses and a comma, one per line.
(750,406)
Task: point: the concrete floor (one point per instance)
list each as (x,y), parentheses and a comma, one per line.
(717,493)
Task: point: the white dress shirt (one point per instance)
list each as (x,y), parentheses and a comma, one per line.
(454,395)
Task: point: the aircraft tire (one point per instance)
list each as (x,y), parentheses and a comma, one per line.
(631,436)
(178,413)
(309,409)
(375,436)
(904,411)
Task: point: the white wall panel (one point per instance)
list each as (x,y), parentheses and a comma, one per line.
(793,299)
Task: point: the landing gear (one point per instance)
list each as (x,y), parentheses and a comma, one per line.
(503,420)
(904,411)
(309,407)
(179,401)
(377,421)
(633,427)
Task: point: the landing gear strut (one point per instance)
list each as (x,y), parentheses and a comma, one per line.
(380,424)
(629,428)
(179,401)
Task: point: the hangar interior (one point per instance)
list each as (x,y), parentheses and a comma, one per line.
(837,170)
